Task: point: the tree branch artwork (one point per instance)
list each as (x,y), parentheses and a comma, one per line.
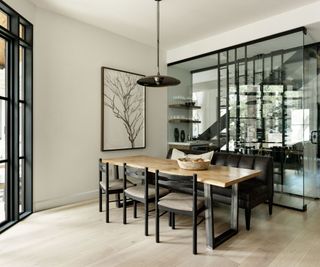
(125,98)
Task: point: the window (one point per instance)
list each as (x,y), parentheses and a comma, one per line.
(16,35)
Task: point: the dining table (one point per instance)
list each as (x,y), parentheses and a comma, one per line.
(215,175)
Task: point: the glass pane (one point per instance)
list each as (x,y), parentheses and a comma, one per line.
(21,129)
(21,186)
(4,19)
(3,69)
(223,90)
(3,129)
(311,124)
(278,75)
(232,105)
(22,31)
(21,72)
(3,193)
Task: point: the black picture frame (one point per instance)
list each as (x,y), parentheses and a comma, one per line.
(123,110)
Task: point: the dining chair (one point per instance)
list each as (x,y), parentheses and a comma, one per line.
(109,187)
(183,199)
(143,193)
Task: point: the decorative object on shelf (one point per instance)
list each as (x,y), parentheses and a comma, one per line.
(182,135)
(158,80)
(123,110)
(190,104)
(176,134)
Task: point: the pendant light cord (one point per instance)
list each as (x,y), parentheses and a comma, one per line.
(158,34)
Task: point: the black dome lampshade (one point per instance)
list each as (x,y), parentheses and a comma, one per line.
(158,80)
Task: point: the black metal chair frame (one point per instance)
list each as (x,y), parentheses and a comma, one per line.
(142,174)
(104,168)
(182,184)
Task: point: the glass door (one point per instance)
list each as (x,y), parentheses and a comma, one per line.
(311,124)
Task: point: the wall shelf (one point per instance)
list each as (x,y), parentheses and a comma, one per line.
(184,106)
(183,121)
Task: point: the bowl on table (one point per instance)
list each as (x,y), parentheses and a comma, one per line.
(194,164)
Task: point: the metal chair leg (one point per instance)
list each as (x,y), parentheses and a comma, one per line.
(107,206)
(134,209)
(173,221)
(146,216)
(100,199)
(124,209)
(194,235)
(157,225)
(270,206)
(118,200)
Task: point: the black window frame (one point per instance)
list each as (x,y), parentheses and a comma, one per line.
(12,35)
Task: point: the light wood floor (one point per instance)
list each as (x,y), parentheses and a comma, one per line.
(77,235)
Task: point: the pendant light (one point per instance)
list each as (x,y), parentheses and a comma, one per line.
(158,80)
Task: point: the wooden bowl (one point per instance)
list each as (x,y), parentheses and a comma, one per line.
(193,164)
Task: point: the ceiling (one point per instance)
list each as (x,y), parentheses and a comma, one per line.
(182,21)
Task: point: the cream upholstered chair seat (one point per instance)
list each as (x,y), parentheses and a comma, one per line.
(115,184)
(180,201)
(138,191)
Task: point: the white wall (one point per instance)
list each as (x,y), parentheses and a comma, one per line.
(302,16)
(68,56)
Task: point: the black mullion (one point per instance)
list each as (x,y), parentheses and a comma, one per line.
(10,177)
(254,71)
(237,83)
(218,104)
(16,121)
(23,43)
(227,105)
(284,112)
(245,66)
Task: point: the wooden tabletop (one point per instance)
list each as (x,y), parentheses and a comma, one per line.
(222,176)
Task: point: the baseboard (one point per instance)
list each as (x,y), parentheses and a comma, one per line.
(61,201)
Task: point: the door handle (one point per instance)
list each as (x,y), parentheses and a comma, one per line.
(314,137)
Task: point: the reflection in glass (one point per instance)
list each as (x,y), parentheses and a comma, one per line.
(22,31)
(3,194)
(3,74)
(3,129)
(21,186)
(4,19)
(21,72)
(21,129)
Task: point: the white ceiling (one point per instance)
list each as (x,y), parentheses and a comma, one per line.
(182,21)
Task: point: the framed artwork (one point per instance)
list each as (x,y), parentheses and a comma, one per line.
(123,110)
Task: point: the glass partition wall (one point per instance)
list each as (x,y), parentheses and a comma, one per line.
(258,98)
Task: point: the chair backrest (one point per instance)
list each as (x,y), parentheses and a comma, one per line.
(136,173)
(179,183)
